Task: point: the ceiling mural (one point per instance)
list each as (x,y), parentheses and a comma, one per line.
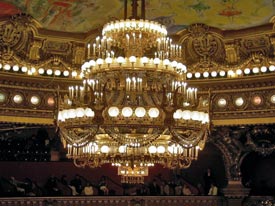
(85,15)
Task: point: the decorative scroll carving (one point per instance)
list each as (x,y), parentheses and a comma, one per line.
(257,44)
(203,45)
(15,33)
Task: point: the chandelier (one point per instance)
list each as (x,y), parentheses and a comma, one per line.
(133,108)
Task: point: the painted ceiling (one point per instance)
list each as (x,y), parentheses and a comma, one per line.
(85,15)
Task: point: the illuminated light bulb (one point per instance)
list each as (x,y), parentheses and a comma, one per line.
(256,70)
(263,69)
(113,111)
(222,73)
(239,72)
(152,149)
(15,68)
(144,60)
(127,111)
(195,115)
(66,73)
(71,113)
(80,112)
(230,73)
(92,63)
(166,62)
(197,75)
(153,112)
(33,70)
(272,68)
(156,61)
(65,114)
(140,112)
(105,149)
(108,60)
(160,149)
(214,74)
(89,112)
(41,71)
(247,71)
(174,64)
(7,67)
(205,74)
(120,60)
(57,72)
(186,114)
(99,61)
(122,149)
(177,114)
(189,75)
(74,73)
(132,59)
(49,72)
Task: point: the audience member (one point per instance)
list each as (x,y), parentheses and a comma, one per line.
(51,187)
(88,189)
(77,183)
(200,189)
(154,188)
(213,190)
(103,188)
(18,185)
(208,180)
(178,189)
(186,190)
(165,188)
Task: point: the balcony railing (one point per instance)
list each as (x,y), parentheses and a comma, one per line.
(115,200)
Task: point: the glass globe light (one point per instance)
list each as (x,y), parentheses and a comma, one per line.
(65,114)
(15,68)
(140,112)
(132,59)
(108,60)
(166,62)
(160,149)
(24,69)
(127,111)
(71,113)
(120,60)
(177,114)
(99,61)
(57,73)
(195,115)
(144,60)
(89,112)
(105,149)
(7,67)
(122,149)
(92,63)
(222,73)
(80,112)
(153,112)
(156,61)
(113,111)
(186,115)
(41,71)
(152,149)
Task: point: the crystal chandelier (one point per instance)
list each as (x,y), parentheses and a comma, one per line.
(133,109)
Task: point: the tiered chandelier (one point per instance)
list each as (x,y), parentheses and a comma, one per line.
(133,111)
